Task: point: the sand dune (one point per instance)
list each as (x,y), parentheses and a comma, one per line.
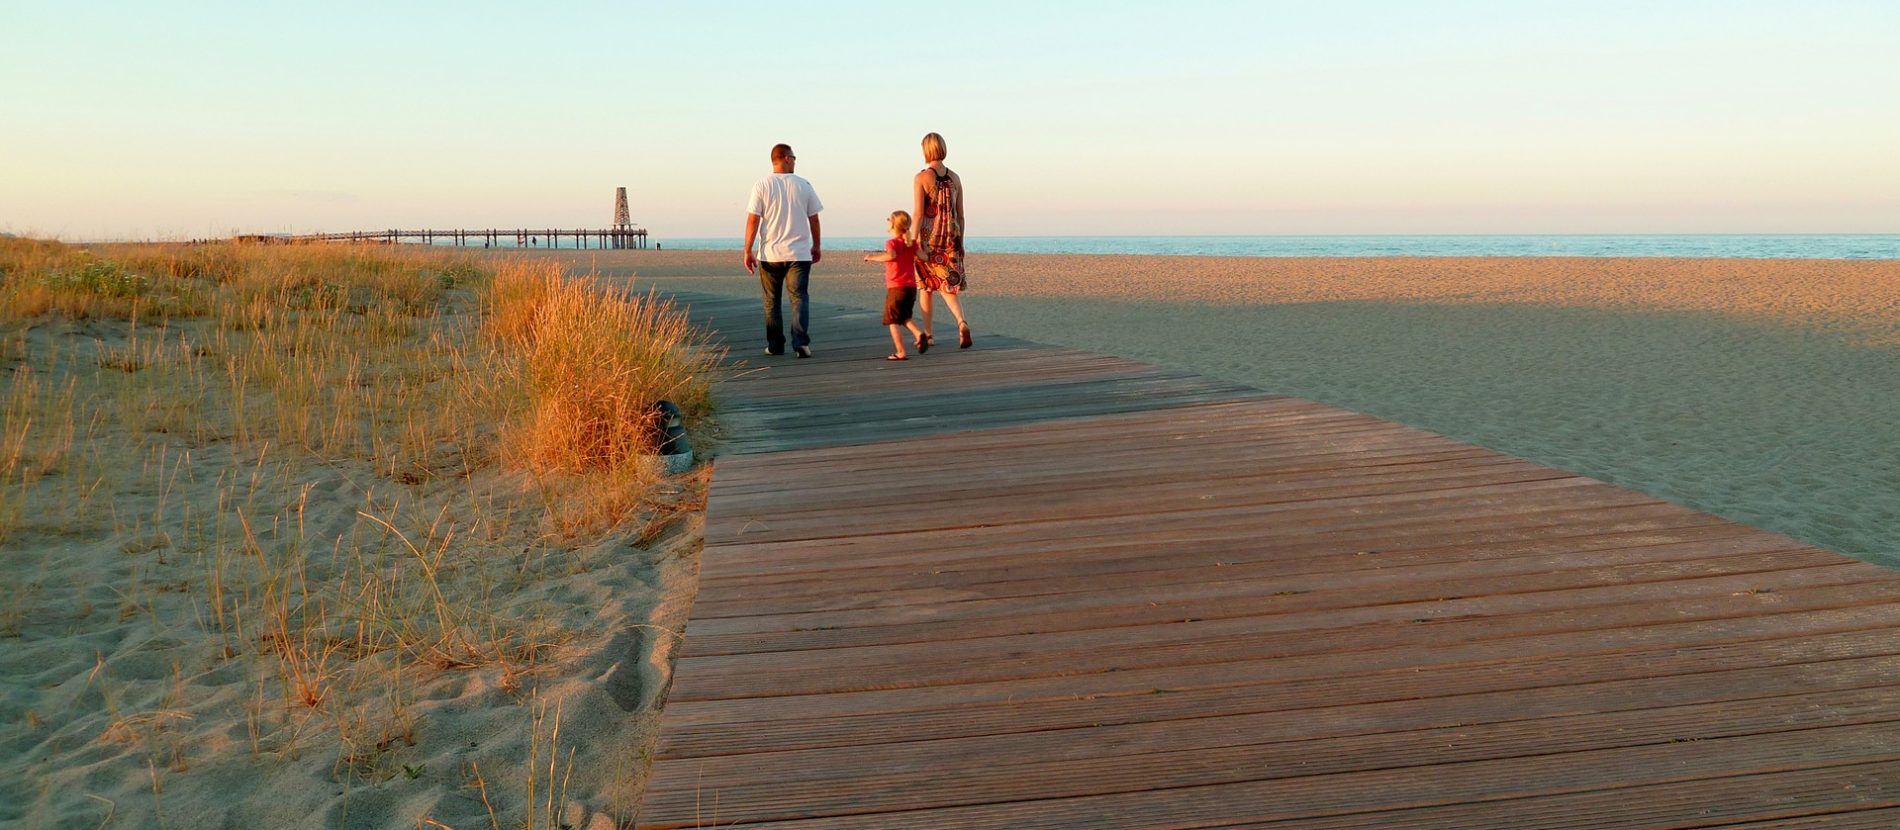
(273,562)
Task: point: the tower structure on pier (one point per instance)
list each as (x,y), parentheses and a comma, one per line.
(623,220)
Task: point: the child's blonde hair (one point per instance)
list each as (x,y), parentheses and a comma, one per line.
(900,221)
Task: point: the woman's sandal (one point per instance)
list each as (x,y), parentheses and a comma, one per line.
(895,357)
(963,335)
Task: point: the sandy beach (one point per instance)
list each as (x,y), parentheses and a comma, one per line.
(1759,390)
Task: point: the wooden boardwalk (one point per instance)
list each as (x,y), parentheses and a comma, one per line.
(1030,587)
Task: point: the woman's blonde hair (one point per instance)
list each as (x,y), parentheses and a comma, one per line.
(900,221)
(934,149)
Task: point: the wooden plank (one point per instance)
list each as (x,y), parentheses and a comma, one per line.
(1342,517)
(1451,533)
(1144,605)
(1315,501)
(1857,797)
(1198,753)
(1416,785)
(1365,582)
(1193,642)
(1745,700)
(1163,562)
(742,725)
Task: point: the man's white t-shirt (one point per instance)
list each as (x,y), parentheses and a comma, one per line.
(784,203)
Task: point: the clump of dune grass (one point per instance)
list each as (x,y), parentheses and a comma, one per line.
(517,293)
(38,277)
(590,363)
(191,405)
(594,368)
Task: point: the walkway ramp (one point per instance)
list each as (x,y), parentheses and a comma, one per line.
(1022,586)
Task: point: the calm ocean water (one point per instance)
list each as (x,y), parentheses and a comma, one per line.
(1748,246)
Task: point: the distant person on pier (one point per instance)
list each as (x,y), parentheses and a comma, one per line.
(938,236)
(785,207)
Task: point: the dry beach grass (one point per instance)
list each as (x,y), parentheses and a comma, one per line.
(331,536)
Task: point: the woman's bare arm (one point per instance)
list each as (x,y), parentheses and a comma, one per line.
(961,228)
(919,198)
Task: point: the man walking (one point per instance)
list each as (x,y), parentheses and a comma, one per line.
(785,207)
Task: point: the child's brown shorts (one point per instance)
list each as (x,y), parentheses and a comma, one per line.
(897,305)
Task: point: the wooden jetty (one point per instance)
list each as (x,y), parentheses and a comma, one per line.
(1023,586)
(603,238)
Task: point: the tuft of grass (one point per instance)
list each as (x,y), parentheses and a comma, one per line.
(520,288)
(37,430)
(585,365)
(547,790)
(594,366)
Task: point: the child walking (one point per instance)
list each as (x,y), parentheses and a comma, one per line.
(900,285)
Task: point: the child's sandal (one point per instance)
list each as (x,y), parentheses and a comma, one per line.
(895,357)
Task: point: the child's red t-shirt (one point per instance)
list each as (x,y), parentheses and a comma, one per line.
(901,271)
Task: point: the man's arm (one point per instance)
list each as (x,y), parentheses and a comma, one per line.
(816,239)
(751,233)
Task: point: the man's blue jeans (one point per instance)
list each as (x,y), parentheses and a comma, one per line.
(775,280)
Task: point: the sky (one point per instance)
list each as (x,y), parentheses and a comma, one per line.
(140,120)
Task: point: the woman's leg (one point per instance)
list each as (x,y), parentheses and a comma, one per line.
(956,308)
(963,325)
(923,302)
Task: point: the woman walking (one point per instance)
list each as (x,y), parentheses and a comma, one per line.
(939,236)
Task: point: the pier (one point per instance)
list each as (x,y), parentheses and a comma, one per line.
(624,235)
(621,238)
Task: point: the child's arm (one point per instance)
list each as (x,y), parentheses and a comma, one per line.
(880,256)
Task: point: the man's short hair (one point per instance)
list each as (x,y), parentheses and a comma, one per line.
(781,152)
(934,149)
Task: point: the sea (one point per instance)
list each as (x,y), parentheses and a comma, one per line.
(1745,246)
